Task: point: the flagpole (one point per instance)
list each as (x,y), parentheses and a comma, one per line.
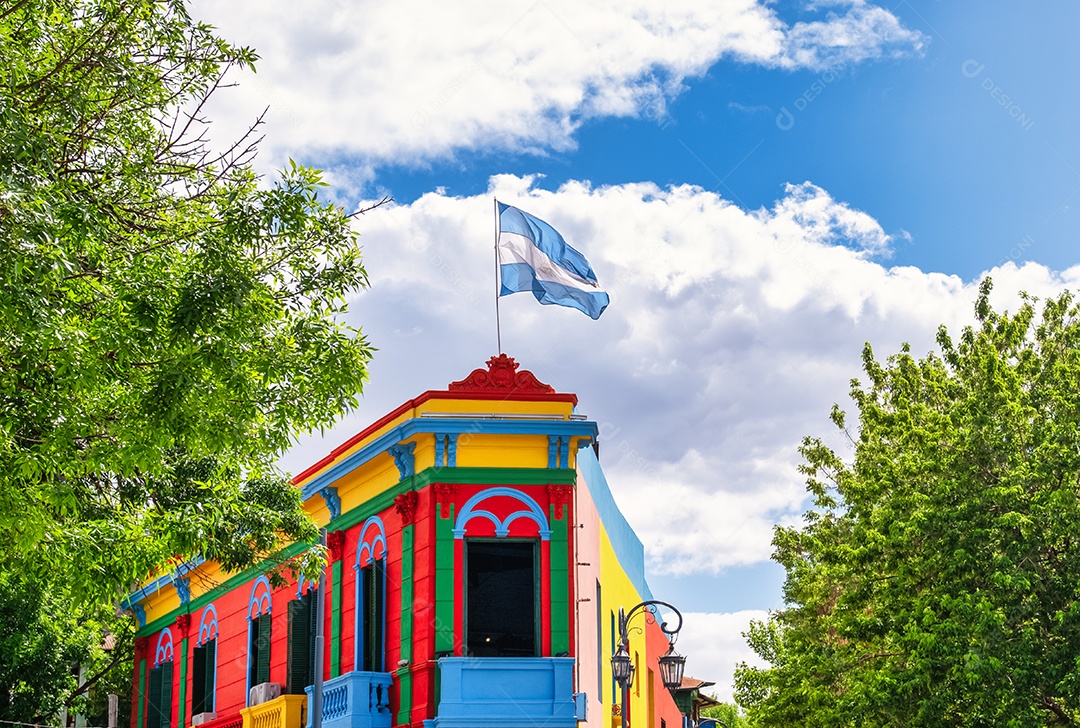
(498,325)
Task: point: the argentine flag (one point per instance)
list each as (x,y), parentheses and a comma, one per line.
(534,257)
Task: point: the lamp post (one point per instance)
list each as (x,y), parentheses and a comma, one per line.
(671,662)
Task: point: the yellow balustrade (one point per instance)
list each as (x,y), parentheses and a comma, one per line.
(287,711)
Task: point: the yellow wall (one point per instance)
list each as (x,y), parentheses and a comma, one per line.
(595,550)
(502,451)
(466,407)
(609,552)
(160,603)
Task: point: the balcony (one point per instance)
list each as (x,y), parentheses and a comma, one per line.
(226,721)
(287,711)
(508,692)
(355,700)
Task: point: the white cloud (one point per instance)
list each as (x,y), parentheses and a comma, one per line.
(713,644)
(864,32)
(411,81)
(729,336)
(809,213)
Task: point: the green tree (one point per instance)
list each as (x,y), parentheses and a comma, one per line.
(46,638)
(39,646)
(726,715)
(935,582)
(170,322)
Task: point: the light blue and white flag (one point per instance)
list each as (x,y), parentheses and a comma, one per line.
(534,257)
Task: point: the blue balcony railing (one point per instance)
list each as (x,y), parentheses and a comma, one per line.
(508,692)
(355,700)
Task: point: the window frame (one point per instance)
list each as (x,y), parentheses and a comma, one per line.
(303,627)
(371,595)
(259,659)
(259,615)
(537,587)
(204,677)
(159,696)
(206,652)
(371,559)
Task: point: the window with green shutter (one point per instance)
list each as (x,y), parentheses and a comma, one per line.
(259,650)
(370,645)
(372,607)
(153,699)
(159,702)
(302,628)
(202,678)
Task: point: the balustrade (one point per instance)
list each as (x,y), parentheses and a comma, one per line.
(286,711)
(356,699)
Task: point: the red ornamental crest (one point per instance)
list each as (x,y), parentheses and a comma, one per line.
(502,376)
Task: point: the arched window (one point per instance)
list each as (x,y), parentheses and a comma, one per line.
(258,615)
(303,626)
(371,596)
(505,553)
(159,700)
(204,664)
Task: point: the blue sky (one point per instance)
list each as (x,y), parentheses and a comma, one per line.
(761,187)
(969,146)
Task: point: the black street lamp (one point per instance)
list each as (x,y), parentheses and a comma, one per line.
(671,662)
(671,667)
(621,665)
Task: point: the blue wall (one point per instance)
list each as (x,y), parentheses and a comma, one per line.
(628,548)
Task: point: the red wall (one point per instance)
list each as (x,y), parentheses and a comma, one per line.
(232,609)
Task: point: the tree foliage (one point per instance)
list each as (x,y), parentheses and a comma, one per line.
(170,321)
(726,715)
(39,647)
(935,583)
(46,639)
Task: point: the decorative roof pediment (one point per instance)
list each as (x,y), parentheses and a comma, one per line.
(501,376)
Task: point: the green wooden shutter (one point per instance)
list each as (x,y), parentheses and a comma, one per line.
(166,694)
(262,669)
(210,672)
(299,649)
(153,700)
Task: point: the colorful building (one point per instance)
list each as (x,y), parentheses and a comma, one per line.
(477,564)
